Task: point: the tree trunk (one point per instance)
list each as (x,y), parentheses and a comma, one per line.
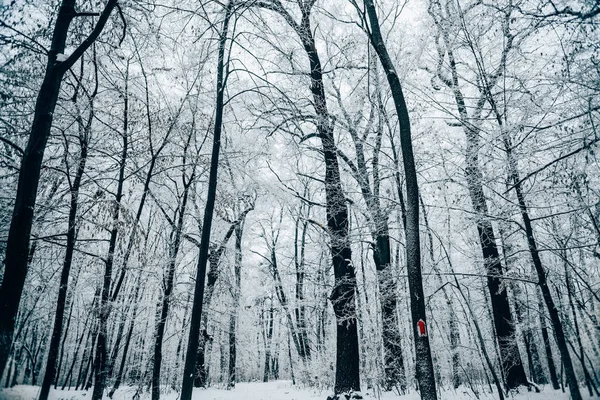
(17,244)
(194,335)
(177,233)
(547,345)
(100,370)
(502,316)
(344,292)
(236,304)
(119,376)
(424,362)
(64,276)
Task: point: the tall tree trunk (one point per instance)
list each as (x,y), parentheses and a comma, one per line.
(119,377)
(64,276)
(502,316)
(177,234)
(344,292)
(100,370)
(547,345)
(424,362)
(452,320)
(194,335)
(236,304)
(17,244)
(393,358)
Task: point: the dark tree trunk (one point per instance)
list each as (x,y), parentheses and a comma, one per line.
(236,304)
(502,316)
(547,346)
(194,335)
(119,376)
(177,233)
(533,249)
(17,244)
(64,277)
(393,358)
(100,367)
(201,372)
(344,292)
(424,362)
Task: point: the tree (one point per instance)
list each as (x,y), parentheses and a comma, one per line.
(84,129)
(424,363)
(502,315)
(194,335)
(344,291)
(17,245)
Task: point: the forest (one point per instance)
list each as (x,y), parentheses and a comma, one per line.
(299,199)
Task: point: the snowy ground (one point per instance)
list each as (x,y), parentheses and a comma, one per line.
(280,390)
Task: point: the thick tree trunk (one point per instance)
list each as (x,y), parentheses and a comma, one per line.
(393,358)
(194,335)
(424,362)
(17,244)
(344,292)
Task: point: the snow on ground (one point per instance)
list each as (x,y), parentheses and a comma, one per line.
(279,390)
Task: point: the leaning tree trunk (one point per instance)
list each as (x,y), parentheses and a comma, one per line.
(17,244)
(424,362)
(194,335)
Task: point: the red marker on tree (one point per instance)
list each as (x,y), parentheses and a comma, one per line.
(421,328)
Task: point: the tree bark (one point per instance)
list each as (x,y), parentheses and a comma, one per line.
(424,362)
(17,244)
(176,234)
(100,370)
(194,335)
(236,304)
(64,277)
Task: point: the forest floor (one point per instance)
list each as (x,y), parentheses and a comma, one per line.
(279,390)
